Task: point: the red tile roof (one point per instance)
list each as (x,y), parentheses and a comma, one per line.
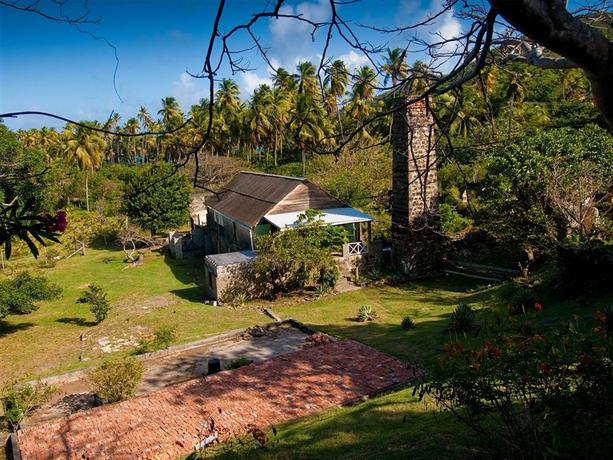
(169,422)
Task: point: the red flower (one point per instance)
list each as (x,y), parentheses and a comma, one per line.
(538,307)
(492,349)
(59,223)
(544,368)
(600,317)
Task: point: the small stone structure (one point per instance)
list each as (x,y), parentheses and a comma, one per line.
(224,271)
(415,189)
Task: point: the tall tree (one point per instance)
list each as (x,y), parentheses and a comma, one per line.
(395,66)
(86,148)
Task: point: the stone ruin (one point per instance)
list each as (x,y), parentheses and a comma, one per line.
(416,240)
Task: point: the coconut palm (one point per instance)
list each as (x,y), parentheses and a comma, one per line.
(307,78)
(86,148)
(229,112)
(260,118)
(395,66)
(280,108)
(284,80)
(132,127)
(335,82)
(147,123)
(171,113)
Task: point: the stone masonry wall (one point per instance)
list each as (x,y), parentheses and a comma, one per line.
(414,190)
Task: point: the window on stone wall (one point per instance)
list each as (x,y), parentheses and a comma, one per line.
(234,234)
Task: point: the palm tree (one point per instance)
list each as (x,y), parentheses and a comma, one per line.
(132,127)
(147,123)
(362,92)
(307,78)
(284,80)
(229,110)
(171,113)
(114,142)
(86,148)
(280,107)
(260,117)
(515,93)
(335,82)
(395,67)
(461,114)
(49,141)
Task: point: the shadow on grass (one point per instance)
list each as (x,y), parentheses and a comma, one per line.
(418,346)
(188,271)
(393,426)
(76,321)
(7,328)
(192,294)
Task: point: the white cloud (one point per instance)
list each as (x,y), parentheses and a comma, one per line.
(312,11)
(188,90)
(291,37)
(250,81)
(354,60)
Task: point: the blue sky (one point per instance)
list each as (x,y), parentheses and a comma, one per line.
(51,66)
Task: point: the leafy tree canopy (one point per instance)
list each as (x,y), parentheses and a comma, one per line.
(157,198)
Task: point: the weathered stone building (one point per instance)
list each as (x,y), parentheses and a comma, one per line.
(414,190)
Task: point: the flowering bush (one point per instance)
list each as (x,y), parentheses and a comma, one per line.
(533,396)
(462,319)
(523,301)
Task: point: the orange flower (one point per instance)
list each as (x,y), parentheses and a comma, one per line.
(600,317)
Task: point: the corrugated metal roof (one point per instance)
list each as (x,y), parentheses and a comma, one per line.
(229,258)
(335,216)
(250,195)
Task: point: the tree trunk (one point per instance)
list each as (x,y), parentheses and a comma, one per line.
(87,190)
(549,24)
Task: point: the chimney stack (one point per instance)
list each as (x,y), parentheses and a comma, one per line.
(415,239)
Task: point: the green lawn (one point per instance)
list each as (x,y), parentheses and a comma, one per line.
(428,302)
(395,425)
(165,291)
(162,291)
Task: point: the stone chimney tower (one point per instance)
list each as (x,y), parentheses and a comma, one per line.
(415,241)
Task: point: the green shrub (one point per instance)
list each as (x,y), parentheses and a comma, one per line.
(239,362)
(407,323)
(291,260)
(116,380)
(328,276)
(19,294)
(540,396)
(452,221)
(523,301)
(163,336)
(462,319)
(18,400)
(98,303)
(586,269)
(238,299)
(366,313)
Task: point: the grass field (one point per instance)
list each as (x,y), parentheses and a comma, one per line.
(395,425)
(162,291)
(165,291)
